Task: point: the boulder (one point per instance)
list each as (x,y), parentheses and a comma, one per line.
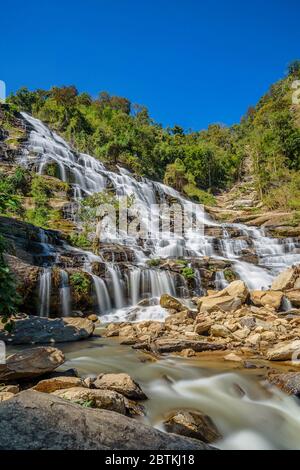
(104,399)
(57,383)
(289,382)
(94,318)
(54,424)
(236,289)
(284,351)
(294,297)
(227,303)
(233,357)
(288,279)
(163,346)
(33,330)
(219,330)
(31,363)
(121,383)
(169,302)
(270,298)
(202,326)
(10,389)
(193,424)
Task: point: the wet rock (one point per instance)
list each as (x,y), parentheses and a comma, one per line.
(288,382)
(193,424)
(269,298)
(148,302)
(57,383)
(31,363)
(233,357)
(169,302)
(52,423)
(163,346)
(45,330)
(294,297)
(94,318)
(284,351)
(288,279)
(121,383)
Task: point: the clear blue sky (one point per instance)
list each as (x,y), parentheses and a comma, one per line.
(191,62)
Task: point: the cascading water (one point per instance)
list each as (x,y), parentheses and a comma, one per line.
(102,295)
(45,292)
(65,294)
(88,175)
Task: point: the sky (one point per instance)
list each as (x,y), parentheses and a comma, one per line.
(191,62)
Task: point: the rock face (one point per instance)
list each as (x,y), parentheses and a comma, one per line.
(284,351)
(45,330)
(269,298)
(288,279)
(31,363)
(121,383)
(193,424)
(288,382)
(51,423)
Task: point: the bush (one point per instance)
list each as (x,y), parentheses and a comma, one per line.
(9,299)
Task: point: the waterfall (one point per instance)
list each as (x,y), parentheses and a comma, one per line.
(220,281)
(102,295)
(117,287)
(45,292)
(87,175)
(286,304)
(65,294)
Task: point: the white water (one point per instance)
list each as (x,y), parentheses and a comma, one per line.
(65,294)
(45,292)
(88,175)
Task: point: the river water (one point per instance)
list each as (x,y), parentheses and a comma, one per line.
(249,413)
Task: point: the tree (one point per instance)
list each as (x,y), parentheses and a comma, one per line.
(294,67)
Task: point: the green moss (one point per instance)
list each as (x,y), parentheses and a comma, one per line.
(153,263)
(188,273)
(201,196)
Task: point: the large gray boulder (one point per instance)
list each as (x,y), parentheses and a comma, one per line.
(31,363)
(34,420)
(35,330)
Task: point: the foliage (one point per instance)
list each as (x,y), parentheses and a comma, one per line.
(9,299)
(80,240)
(153,263)
(80,282)
(188,273)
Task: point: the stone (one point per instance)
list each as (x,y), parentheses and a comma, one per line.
(31,363)
(95,398)
(203,326)
(284,351)
(121,383)
(226,303)
(164,346)
(57,383)
(289,382)
(241,334)
(6,396)
(169,302)
(54,424)
(233,357)
(288,279)
(254,339)
(294,297)
(237,289)
(33,330)
(188,353)
(271,298)
(219,331)
(10,389)
(192,424)
(94,318)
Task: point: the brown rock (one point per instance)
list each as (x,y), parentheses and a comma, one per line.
(169,302)
(31,363)
(294,297)
(121,383)
(269,298)
(284,351)
(288,382)
(226,303)
(288,279)
(57,383)
(6,396)
(193,424)
(94,318)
